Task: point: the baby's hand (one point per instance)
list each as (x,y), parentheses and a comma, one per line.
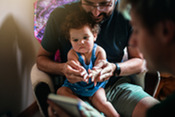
(84,73)
(93,74)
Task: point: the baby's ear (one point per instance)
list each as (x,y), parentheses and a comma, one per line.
(95,36)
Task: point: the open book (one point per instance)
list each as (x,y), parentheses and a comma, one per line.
(70,105)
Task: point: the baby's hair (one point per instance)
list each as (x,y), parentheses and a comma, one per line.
(77,19)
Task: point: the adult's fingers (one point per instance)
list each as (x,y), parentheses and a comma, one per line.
(100,64)
(106,72)
(73,78)
(73,74)
(108,69)
(50,112)
(75,68)
(71,70)
(104,77)
(75,65)
(88,111)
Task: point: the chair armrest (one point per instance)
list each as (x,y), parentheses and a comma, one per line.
(139,79)
(149,81)
(38,76)
(42,85)
(152,81)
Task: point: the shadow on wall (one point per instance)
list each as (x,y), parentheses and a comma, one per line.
(17,58)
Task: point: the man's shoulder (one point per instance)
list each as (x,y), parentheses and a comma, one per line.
(120,20)
(119,15)
(65,8)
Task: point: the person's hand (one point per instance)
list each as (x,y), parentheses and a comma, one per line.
(86,110)
(105,70)
(93,74)
(74,72)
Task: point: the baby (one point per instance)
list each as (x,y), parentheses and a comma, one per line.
(82,32)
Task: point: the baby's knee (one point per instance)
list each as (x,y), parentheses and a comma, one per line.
(62,90)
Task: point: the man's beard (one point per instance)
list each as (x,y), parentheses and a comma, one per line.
(105,16)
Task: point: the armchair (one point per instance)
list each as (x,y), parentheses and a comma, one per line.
(42,85)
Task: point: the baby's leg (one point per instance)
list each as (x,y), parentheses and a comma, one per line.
(65,91)
(100,102)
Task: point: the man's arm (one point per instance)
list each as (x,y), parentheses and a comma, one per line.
(69,69)
(135,63)
(46,64)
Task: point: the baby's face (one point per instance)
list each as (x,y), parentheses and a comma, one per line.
(82,39)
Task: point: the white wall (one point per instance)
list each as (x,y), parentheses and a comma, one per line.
(18,49)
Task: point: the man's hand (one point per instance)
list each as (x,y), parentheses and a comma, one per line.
(103,71)
(74,72)
(93,74)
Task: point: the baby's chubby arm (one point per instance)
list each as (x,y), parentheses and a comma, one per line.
(77,71)
(96,71)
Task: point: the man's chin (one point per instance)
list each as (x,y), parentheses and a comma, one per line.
(98,20)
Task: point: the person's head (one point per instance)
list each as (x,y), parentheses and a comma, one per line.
(153,22)
(81,30)
(98,9)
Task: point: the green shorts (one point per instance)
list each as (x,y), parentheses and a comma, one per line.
(124,96)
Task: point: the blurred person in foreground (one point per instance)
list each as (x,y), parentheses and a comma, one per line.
(153,22)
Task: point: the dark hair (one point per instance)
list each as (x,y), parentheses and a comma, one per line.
(77,19)
(151,11)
